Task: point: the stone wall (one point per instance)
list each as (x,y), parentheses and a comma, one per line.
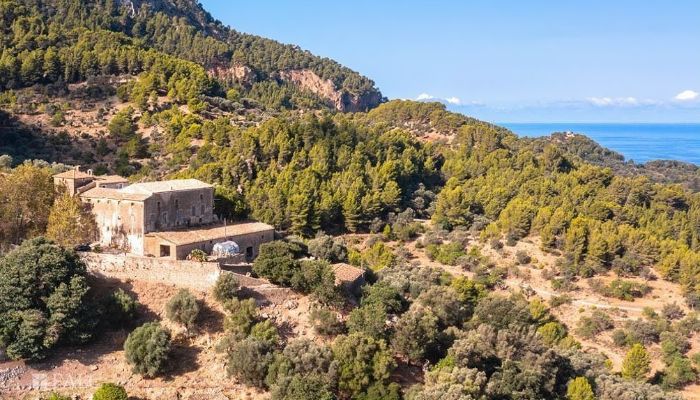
(191,274)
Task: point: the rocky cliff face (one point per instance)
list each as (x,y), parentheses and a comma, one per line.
(339,99)
(240,74)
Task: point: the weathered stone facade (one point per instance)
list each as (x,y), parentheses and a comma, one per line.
(124,216)
(165,219)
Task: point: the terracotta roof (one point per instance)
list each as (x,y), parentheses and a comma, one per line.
(346,273)
(113,194)
(203,234)
(166,186)
(111,179)
(73,174)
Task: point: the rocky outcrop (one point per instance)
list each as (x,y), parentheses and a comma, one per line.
(240,74)
(339,99)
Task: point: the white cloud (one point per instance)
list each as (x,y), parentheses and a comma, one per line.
(429,97)
(687,95)
(620,101)
(425,96)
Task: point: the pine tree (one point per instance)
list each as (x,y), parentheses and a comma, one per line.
(579,389)
(351,206)
(636,364)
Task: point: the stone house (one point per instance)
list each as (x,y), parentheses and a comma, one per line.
(165,219)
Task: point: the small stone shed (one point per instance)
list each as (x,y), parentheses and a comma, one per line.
(348,276)
(177,245)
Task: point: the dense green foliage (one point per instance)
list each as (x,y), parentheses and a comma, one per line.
(147,349)
(43,299)
(226,287)
(110,391)
(47,41)
(183,308)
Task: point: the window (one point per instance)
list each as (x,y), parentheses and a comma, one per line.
(201,197)
(164,250)
(194,211)
(177,204)
(249,252)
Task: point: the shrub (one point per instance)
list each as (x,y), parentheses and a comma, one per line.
(445,304)
(640,331)
(197,255)
(226,287)
(302,357)
(326,322)
(56,396)
(303,387)
(447,254)
(598,322)
(120,308)
(620,289)
(673,346)
(385,295)
(266,333)
(242,315)
(416,333)
(183,308)
(496,244)
(672,311)
(369,319)
(147,349)
(362,361)
(679,373)
(248,362)
(522,258)
(556,301)
(619,338)
(110,391)
(325,247)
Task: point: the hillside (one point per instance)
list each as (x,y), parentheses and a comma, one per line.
(489,257)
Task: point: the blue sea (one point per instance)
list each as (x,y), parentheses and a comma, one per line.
(638,142)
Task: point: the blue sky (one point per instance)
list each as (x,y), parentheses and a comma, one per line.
(504,60)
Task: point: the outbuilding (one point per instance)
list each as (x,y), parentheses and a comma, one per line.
(178,244)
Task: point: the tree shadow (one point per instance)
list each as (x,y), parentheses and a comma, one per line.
(210,320)
(183,359)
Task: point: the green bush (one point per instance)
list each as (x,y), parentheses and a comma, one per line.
(120,308)
(447,253)
(368,319)
(183,308)
(147,349)
(522,258)
(598,322)
(242,315)
(110,391)
(226,287)
(362,362)
(620,289)
(43,299)
(326,322)
(249,360)
(197,255)
(56,396)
